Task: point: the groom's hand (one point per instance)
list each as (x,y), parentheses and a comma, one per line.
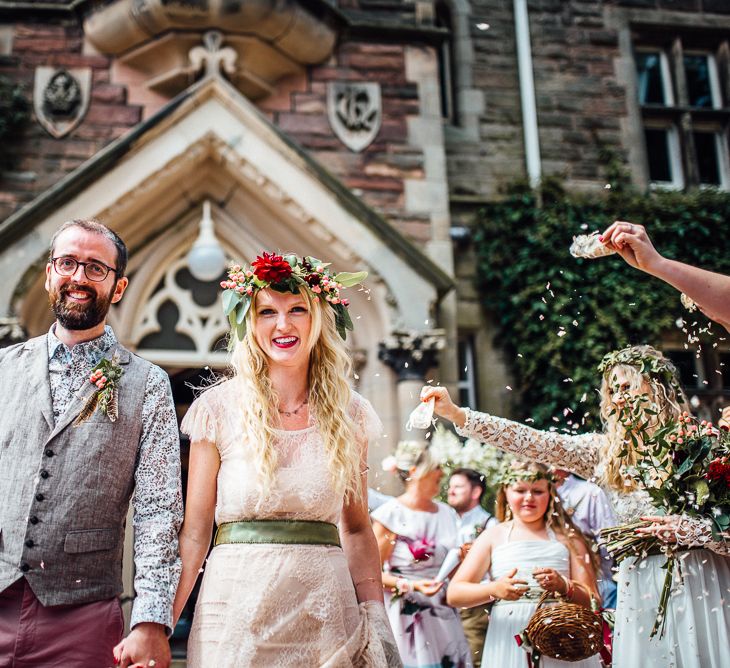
(145,646)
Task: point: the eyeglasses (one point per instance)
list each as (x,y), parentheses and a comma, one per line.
(94,271)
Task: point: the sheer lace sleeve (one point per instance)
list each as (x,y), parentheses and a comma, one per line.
(697,532)
(368,423)
(199,422)
(576,453)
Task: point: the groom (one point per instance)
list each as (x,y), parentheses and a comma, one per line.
(73,451)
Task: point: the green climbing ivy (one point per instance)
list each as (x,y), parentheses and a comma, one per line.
(558,315)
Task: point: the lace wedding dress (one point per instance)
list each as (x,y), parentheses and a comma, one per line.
(279,605)
(697,633)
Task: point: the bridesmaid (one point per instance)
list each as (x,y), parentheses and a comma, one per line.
(536,548)
(414,535)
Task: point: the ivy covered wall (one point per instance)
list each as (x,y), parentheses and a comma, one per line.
(558,315)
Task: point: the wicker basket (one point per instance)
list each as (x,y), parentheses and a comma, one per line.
(565,631)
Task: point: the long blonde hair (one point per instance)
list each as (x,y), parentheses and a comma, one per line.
(664,397)
(555,516)
(330,399)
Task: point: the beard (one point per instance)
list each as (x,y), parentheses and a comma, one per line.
(460,506)
(74,316)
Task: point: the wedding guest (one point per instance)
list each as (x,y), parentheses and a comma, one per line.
(709,290)
(278,459)
(590,510)
(376,499)
(90,426)
(724,420)
(627,374)
(415,534)
(535,548)
(465,493)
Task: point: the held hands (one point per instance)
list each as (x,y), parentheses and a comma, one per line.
(632,243)
(146,645)
(550,580)
(507,588)
(427,587)
(443,405)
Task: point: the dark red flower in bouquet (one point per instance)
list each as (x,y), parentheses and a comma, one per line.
(271,268)
(719,471)
(421,548)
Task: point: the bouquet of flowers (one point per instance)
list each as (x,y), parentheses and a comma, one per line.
(684,466)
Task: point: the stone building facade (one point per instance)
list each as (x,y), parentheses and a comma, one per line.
(364,131)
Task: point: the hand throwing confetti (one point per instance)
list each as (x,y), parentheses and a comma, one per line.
(589,246)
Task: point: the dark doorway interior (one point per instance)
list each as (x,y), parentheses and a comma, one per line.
(186,385)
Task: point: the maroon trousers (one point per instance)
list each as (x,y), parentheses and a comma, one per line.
(34,636)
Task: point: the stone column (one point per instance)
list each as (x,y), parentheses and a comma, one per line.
(410,353)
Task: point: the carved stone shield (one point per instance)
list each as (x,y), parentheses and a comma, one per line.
(355,112)
(61,98)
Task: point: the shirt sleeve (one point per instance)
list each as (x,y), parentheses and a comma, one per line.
(575,453)
(157,506)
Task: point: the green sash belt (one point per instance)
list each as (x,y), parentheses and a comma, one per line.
(291,532)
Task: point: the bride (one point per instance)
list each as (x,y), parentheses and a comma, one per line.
(278,458)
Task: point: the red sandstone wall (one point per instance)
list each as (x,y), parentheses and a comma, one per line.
(38,160)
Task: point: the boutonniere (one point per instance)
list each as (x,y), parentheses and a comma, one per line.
(105,375)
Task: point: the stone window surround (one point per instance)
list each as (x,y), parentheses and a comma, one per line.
(630,22)
(468,374)
(6,40)
(655,116)
(468,101)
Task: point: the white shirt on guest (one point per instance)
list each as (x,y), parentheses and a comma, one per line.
(473,522)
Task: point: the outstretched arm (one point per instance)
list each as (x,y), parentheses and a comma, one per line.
(709,290)
(578,454)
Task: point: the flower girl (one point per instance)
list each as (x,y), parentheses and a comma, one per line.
(534,549)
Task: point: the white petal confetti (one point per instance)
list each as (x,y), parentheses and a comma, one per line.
(589,246)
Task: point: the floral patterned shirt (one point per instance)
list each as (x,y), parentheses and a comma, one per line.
(157,501)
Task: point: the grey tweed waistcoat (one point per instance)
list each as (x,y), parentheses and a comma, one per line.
(64,489)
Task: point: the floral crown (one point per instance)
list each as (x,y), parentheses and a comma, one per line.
(515,471)
(648,361)
(287,273)
(407,454)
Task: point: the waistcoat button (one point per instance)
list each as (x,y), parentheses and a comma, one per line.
(34,520)
(29,542)
(49,452)
(24,567)
(39,497)
(44,473)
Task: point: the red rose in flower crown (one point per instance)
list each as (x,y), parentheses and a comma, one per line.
(286,273)
(271,268)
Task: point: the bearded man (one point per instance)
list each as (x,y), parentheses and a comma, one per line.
(85,425)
